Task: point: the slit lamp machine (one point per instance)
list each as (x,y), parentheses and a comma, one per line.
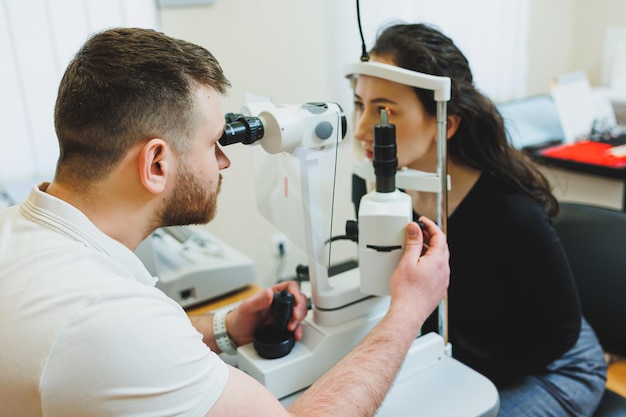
(346,306)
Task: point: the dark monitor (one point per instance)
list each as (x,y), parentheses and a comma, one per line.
(532,122)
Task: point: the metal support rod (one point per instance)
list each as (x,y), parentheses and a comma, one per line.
(442,199)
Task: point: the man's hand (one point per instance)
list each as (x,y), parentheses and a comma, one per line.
(421,278)
(254,312)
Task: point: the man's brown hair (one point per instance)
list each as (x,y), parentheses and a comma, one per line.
(123,86)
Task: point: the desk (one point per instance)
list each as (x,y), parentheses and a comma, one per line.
(602,171)
(223,301)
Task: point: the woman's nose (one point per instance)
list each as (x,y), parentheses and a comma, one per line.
(364,128)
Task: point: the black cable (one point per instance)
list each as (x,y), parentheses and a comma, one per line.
(364,55)
(342,237)
(281,262)
(332,204)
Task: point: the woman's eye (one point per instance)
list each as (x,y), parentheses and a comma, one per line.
(387,109)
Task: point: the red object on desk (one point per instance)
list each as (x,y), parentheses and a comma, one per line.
(586,151)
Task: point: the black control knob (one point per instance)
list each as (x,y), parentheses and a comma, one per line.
(275,341)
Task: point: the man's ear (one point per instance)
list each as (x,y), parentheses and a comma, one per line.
(154,165)
(452,124)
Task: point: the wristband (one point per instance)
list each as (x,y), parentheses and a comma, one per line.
(224,342)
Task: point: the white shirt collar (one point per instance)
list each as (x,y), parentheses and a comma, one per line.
(66,219)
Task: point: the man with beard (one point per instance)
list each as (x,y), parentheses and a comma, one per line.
(83,330)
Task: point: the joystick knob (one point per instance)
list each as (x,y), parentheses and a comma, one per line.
(275,341)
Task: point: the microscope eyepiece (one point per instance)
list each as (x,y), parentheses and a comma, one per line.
(284,128)
(240,128)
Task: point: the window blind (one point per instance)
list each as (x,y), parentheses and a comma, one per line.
(38,38)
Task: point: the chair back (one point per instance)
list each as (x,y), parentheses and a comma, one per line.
(594,239)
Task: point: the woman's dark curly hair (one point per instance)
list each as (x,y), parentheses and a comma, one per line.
(480,140)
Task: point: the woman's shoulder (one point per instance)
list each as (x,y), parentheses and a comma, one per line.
(494,197)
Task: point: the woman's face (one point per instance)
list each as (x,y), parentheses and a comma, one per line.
(415,129)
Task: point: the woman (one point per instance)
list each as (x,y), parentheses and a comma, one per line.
(513,311)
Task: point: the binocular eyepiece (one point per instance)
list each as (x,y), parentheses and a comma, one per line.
(241,128)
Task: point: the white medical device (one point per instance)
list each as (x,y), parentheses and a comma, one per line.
(342,313)
(383,215)
(194,266)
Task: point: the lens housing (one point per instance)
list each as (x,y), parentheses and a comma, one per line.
(385,160)
(241,129)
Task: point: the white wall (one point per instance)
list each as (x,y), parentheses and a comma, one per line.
(37,40)
(569,35)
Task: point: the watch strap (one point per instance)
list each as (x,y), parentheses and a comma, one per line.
(223,340)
